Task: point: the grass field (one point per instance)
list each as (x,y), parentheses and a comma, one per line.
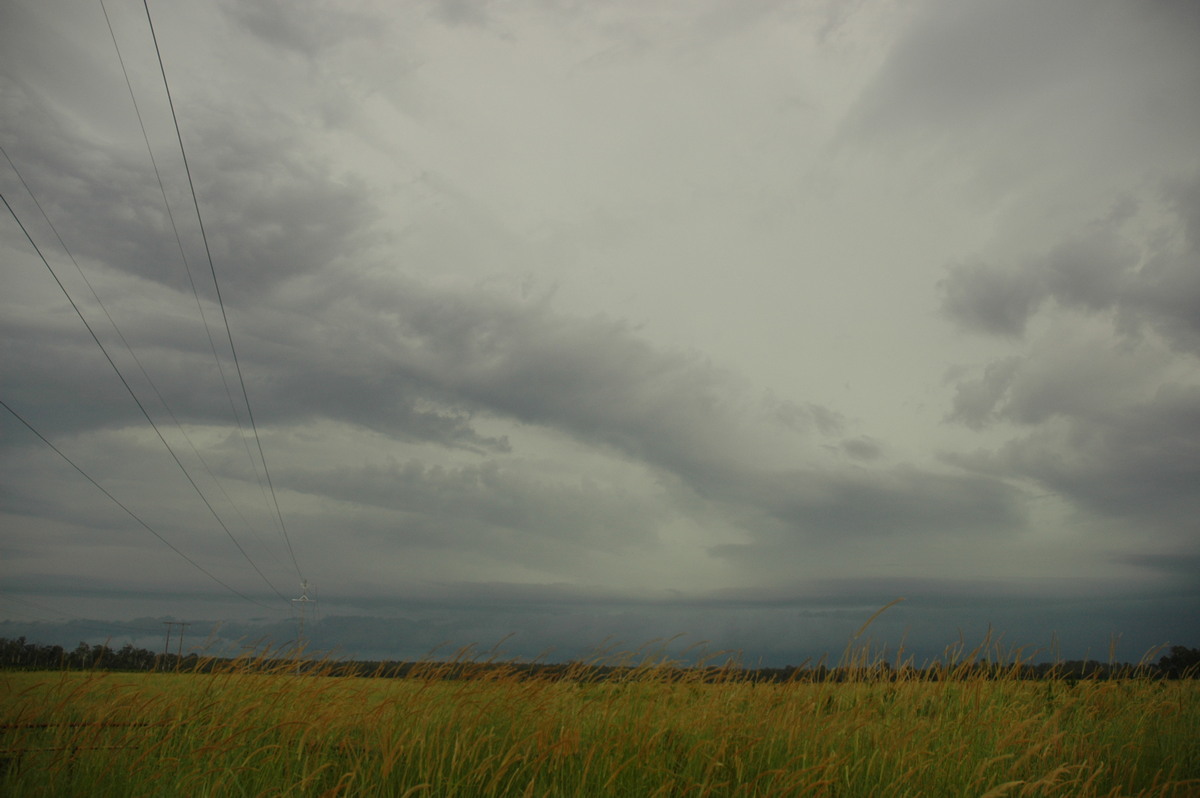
(654,732)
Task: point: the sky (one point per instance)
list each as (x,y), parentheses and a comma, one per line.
(572,326)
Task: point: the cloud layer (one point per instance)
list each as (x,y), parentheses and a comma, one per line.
(654,313)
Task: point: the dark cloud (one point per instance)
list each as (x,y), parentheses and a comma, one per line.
(417,363)
(990,300)
(391,401)
(1178,566)
(862,448)
(1113,430)
(803,417)
(502,509)
(594,378)
(462,12)
(304,26)
(1167,293)
(76,183)
(962,64)
(1137,462)
(976,399)
(302,221)
(270,211)
(1020,101)
(1076,376)
(861,506)
(598,381)
(1138,280)
(1111,400)
(1089,273)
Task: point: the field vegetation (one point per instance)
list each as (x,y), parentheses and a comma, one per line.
(259,726)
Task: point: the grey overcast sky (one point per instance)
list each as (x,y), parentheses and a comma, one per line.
(591,321)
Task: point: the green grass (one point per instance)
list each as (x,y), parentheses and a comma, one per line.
(657,732)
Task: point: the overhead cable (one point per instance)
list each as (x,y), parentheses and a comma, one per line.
(212,344)
(217,286)
(129,512)
(137,401)
(120,335)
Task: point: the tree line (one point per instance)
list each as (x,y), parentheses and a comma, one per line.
(1180,662)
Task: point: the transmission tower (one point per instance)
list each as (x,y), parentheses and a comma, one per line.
(302,610)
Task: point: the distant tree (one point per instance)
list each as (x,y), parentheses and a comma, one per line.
(12,653)
(100,655)
(81,657)
(1181,663)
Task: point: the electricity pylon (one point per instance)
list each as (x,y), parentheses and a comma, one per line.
(302,606)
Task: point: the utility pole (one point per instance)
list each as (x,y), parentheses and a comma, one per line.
(302,605)
(182,627)
(167,644)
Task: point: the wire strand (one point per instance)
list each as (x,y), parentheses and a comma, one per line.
(183,257)
(128,348)
(129,512)
(217,286)
(137,401)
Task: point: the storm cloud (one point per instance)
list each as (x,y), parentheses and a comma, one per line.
(578,321)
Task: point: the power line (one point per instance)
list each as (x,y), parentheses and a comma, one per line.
(137,401)
(129,512)
(128,347)
(217,286)
(182,255)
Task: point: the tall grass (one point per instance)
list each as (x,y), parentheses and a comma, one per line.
(255,729)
